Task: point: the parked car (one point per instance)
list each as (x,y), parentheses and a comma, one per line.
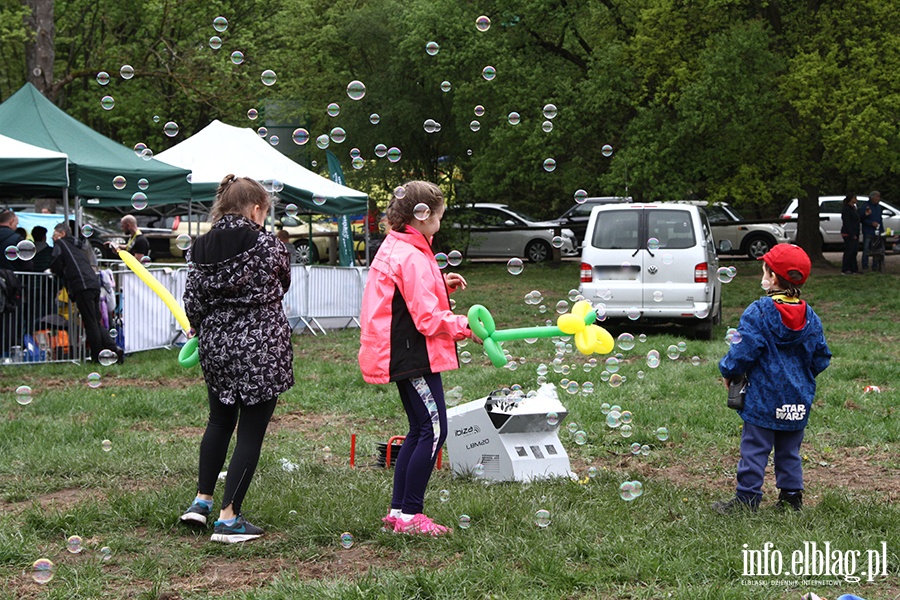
(297,228)
(752,239)
(830,215)
(576,218)
(496,230)
(653,262)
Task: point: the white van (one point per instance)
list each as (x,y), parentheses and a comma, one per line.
(653,262)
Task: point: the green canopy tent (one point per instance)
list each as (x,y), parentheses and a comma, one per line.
(25,168)
(94,160)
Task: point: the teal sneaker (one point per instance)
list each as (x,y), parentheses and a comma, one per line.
(241,531)
(196,513)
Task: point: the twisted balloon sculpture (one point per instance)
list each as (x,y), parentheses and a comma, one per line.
(589,338)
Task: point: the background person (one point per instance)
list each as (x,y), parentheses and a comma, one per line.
(71,264)
(871,221)
(408,336)
(850,233)
(43,253)
(233,301)
(285,239)
(137,243)
(782,350)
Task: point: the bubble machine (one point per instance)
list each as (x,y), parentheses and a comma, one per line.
(512,438)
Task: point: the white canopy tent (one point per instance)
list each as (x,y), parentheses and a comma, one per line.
(220,149)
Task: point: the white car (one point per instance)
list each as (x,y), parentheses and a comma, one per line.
(830,215)
(752,239)
(498,231)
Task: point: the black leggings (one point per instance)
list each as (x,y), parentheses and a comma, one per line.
(251,422)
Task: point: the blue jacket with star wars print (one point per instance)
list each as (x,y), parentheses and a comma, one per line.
(781,365)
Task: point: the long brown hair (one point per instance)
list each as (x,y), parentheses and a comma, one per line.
(237,196)
(400,210)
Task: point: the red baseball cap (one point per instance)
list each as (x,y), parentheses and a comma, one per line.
(784,258)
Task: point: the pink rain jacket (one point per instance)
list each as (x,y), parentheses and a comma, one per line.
(408,329)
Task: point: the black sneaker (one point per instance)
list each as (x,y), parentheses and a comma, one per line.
(120,356)
(790,499)
(241,531)
(735,504)
(196,513)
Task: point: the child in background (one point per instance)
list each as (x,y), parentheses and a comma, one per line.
(408,336)
(782,350)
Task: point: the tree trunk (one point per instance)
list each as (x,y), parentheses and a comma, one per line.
(808,235)
(39,50)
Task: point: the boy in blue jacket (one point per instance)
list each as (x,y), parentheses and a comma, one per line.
(782,350)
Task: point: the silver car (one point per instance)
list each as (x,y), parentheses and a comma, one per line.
(498,231)
(830,218)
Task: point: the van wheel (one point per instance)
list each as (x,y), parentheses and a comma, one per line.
(538,251)
(704,331)
(758,245)
(307,254)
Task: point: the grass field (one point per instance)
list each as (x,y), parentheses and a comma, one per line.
(56,480)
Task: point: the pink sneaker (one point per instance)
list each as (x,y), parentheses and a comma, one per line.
(390,523)
(421,524)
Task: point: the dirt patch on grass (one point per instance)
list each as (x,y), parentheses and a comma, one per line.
(61,500)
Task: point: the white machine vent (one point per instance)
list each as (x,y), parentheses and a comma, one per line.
(491,463)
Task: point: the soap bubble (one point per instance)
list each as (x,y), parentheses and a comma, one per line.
(550,164)
(637,488)
(374,118)
(42,570)
(380,150)
(338,135)
(25,250)
(143,184)
(318,199)
(682,346)
(515,266)
(653,244)
(625,341)
(274,140)
(170,129)
(465,521)
(478,471)
(220,24)
(645,450)
(145,260)
(552,418)
(547,126)
(636,448)
(662,434)
(454,258)
(615,380)
(572,387)
(183,241)
(356,90)
(421,211)
(87,230)
(465,357)
(514,118)
(580,196)
(268,77)
(542,518)
(444,495)
(482,23)
(724,275)
(626,491)
(474,125)
(549,111)
(695,360)
(105,553)
(262,131)
(634,313)
(672,352)
(12,253)
(562,306)
(215,42)
(612,364)
(432,48)
(291,210)
(556,241)
(393,154)
(605,408)
(23,395)
(489,73)
(107,357)
(346,540)
(107,102)
(657,296)
(139,149)
(653,359)
(441,259)
(580,438)
(93,380)
(587,388)
(73,544)
(592,472)
(625,430)
(613,418)
(445,86)
(606,150)
(640,374)
(333,109)
(323,141)
(126,72)
(102,77)
(237,57)
(479,110)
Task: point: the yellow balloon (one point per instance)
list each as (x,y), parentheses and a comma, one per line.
(581,309)
(604,343)
(570,323)
(585,340)
(135,265)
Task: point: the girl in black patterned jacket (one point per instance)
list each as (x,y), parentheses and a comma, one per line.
(233,300)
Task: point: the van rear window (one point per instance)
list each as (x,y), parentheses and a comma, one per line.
(673,228)
(617,230)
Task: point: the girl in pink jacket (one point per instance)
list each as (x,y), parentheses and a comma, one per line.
(409,336)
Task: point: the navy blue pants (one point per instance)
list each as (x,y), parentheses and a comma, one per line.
(423,400)
(756,444)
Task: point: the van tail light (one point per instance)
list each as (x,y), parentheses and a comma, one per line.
(176,222)
(701,273)
(788,217)
(586,273)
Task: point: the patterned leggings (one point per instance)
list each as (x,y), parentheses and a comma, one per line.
(423,399)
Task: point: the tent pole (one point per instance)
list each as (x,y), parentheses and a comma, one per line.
(65,195)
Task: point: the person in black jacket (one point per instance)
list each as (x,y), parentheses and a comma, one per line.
(70,263)
(850,232)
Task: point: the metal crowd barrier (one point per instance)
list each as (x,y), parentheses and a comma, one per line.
(43,327)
